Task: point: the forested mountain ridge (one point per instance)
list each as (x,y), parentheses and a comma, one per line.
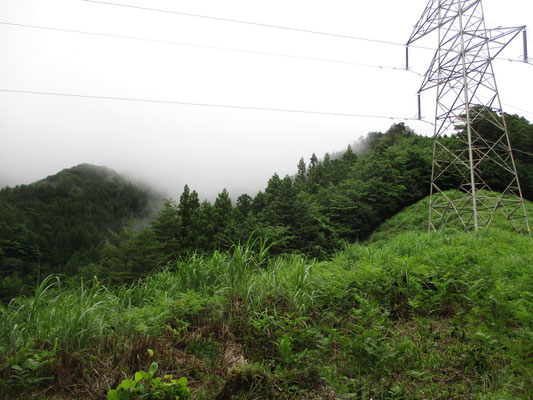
(60,224)
(75,222)
(413,316)
(327,202)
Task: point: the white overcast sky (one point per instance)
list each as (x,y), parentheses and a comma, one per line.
(169,145)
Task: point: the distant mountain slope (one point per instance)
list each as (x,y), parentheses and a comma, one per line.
(415,219)
(60,223)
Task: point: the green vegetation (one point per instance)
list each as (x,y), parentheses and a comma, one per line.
(84,222)
(415,219)
(146,386)
(200,293)
(60,224)
(443,315)
(326,203)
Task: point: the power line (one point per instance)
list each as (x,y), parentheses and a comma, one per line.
(264,25)
(517,108)
(220,48)
(513,60)
(525,152)
(227,106)
(170,42)
(508,106)
(272,26)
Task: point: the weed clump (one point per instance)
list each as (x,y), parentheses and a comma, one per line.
(145,385)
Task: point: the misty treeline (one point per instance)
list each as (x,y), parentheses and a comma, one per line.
(60,224)
(85,223)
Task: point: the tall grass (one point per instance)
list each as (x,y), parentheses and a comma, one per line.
(444,315)
(74,316)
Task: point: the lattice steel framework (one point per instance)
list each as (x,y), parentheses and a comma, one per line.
(468,106)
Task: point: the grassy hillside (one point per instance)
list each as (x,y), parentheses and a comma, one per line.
(439,316)
(415,219)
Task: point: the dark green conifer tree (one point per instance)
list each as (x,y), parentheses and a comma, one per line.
(224,228)
(300,181)
(167,230)
(187,213)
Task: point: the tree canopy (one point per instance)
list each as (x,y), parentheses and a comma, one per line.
(82,220)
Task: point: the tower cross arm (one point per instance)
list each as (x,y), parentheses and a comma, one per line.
(437,14)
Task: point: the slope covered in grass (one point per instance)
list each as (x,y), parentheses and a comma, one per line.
(439,316)
(414,218)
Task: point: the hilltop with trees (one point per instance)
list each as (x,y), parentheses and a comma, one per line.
(324,285)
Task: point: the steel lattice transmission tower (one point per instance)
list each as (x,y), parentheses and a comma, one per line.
(469,107)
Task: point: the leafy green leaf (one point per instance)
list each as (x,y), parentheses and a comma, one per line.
(153,368)
(126,384)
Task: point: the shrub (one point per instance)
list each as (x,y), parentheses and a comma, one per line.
(145,386)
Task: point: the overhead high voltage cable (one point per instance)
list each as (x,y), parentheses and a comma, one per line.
(272,26)
(212,105)
(263,25)
(221,48)
(525,152)
(517,108)
(169,42)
